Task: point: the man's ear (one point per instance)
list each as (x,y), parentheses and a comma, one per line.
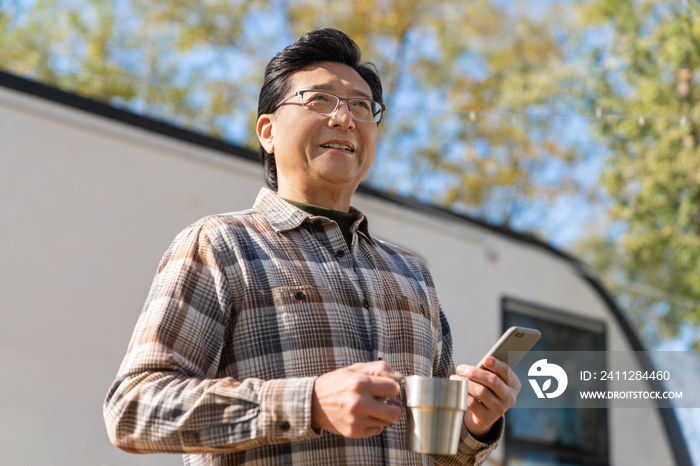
(264,131)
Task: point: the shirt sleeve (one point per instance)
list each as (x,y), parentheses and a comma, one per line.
(471,452)
(167,397)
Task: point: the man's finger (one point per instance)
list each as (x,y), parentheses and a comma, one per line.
(376,368)
(508,376)
(382,387)
(478,409)
(486,378)
(486,396)
(381,381)
(499,368)
(372,431)
(385,413)
(513,380)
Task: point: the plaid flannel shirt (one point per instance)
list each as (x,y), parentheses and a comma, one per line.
(245,311)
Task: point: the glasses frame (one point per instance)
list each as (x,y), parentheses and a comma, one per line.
(347,102)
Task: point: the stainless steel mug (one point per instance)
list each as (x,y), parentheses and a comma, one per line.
(435,412)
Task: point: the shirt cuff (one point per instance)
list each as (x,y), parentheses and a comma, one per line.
(479,450)
(286,409)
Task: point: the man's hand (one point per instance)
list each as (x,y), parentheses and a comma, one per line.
(347,401)
(490,394)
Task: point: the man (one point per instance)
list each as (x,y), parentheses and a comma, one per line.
(277,335)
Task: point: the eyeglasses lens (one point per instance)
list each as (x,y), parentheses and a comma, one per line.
(324,104)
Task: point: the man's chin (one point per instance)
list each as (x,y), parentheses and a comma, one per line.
(339,180)
(338,171)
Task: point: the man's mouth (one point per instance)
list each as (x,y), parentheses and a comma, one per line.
(338,146)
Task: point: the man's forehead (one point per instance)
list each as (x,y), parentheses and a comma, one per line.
(331,77)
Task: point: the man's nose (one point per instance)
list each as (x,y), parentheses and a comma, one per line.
(342,117)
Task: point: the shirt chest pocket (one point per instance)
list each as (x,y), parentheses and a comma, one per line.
(316,331)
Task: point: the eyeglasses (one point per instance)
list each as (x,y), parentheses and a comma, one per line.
(325,103)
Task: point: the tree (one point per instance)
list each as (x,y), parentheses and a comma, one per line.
(469,84)
(643,76)
(94,49)
(491,73)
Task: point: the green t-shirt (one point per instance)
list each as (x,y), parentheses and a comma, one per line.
(343,219)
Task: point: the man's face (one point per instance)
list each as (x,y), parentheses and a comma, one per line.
(321,152)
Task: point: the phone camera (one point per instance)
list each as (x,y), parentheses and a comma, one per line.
(519,334)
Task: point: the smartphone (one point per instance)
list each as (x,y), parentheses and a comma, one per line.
(514,339)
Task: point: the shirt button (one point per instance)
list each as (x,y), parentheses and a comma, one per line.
(284,426)
(299,295)
(365,303)
(340,253)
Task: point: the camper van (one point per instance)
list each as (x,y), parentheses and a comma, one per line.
(92,197)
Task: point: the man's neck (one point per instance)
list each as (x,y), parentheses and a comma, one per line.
(328,200)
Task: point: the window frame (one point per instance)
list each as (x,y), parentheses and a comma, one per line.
(563,454)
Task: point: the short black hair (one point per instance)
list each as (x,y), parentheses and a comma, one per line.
(320,45)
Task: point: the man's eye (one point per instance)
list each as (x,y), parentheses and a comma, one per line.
(319,98)
(363,104)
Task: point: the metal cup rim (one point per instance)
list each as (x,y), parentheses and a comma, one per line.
(435,393)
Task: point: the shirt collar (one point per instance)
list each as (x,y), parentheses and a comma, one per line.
(283,216)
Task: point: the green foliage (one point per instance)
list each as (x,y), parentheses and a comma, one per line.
(126,59)
(483,67)
(476,62)
(649,66)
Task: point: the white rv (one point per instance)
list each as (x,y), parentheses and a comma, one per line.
(91,198)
